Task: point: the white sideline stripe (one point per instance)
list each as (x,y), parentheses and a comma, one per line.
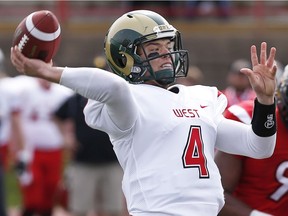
(240,113)
(39,34)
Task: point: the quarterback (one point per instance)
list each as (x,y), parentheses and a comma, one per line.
(164,135)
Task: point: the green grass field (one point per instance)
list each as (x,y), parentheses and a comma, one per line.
(13,196)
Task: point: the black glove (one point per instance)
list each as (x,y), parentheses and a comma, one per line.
(20,167)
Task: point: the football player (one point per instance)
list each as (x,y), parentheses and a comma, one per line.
(164,135)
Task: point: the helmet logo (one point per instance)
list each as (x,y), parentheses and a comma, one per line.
(161,28)
(135,69)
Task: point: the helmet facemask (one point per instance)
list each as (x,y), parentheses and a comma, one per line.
(179,59)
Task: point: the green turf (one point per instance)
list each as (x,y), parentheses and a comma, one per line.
(13,195)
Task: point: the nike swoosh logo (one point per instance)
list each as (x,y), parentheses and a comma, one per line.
(203,106)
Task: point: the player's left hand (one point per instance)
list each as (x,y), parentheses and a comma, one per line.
(262,76)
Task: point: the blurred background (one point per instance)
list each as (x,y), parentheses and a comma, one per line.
(215,32)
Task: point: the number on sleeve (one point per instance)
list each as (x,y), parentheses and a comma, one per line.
(193,155)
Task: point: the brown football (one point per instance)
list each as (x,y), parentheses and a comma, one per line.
(38,35)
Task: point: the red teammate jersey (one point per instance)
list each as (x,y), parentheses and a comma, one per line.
(264,183)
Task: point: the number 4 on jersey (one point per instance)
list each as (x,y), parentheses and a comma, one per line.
(193,155)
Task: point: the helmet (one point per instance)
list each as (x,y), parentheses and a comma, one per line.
(128,34)
(282,97)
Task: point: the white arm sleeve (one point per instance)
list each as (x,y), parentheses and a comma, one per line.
(107,88)
(238,138)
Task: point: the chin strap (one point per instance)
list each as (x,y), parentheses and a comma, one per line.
(165,77)
(165,82)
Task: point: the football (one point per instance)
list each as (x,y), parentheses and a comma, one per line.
(38,35)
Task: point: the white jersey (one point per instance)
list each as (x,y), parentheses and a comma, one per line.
(164,141)
(37,106)
(9,89)
(5,111)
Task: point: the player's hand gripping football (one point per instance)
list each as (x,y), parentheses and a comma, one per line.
(34,67)
(262,76)
(25,65)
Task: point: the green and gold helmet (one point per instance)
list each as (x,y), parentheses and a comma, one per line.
(128,34)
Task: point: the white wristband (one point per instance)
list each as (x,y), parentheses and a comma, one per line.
(258,213)
(25,156)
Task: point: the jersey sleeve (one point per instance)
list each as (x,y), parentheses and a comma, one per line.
(234,137)
(241,112)
(220,106)
(111,103)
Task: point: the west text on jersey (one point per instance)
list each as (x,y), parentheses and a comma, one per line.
(186,113)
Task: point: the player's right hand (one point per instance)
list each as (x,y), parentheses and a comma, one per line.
(34,67)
